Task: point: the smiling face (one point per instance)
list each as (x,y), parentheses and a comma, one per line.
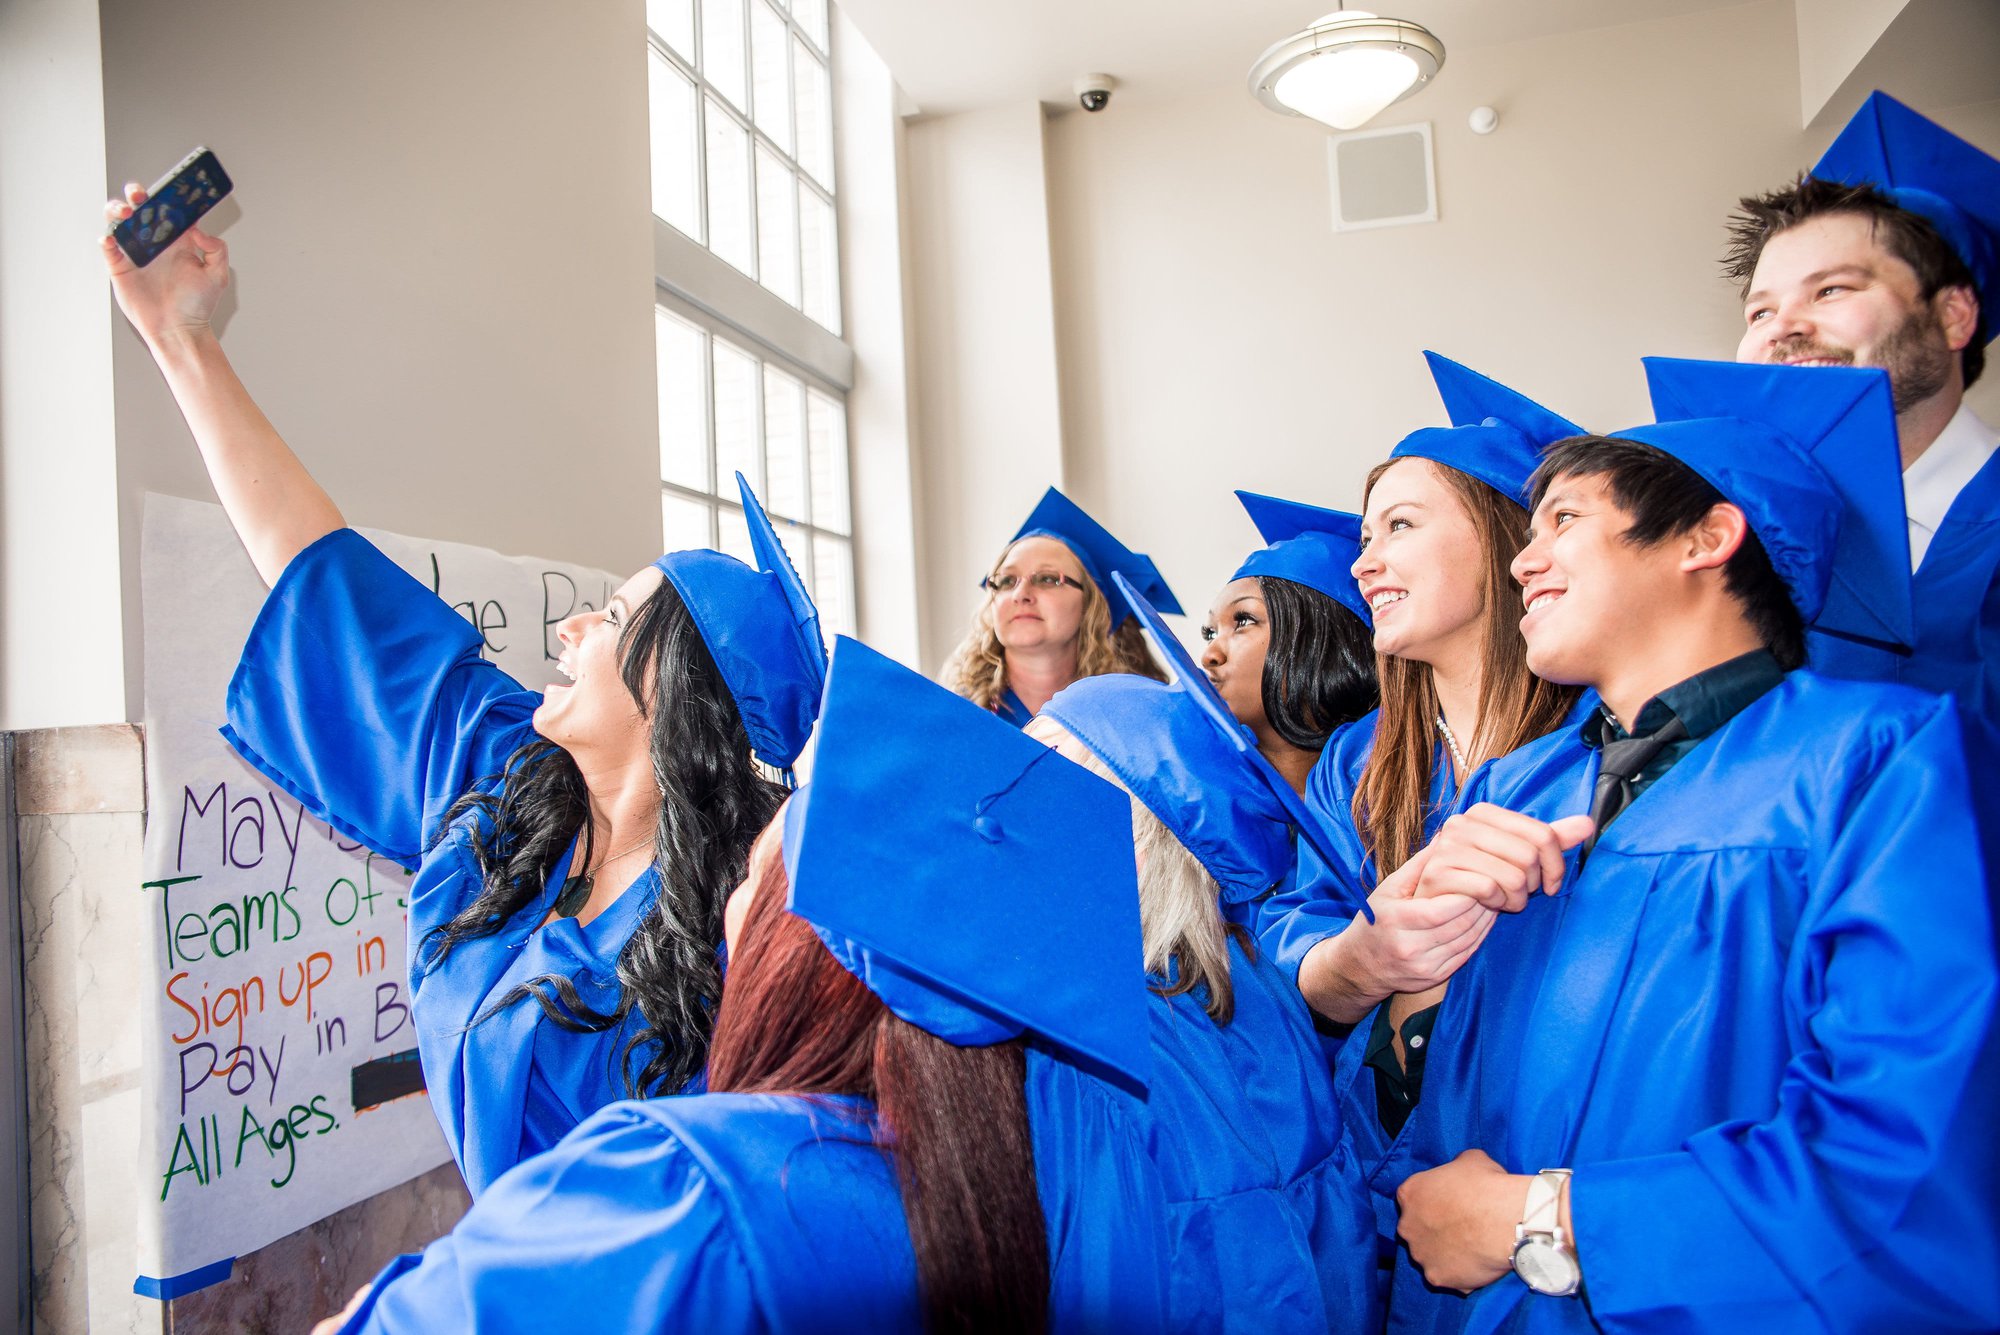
(1238,632)
(1038,612)
(1593,599)
(1827,293)
(1421,567)
(591,712)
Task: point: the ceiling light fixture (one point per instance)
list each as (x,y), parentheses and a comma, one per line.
(1346,68)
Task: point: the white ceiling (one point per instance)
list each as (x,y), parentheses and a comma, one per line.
(956,55)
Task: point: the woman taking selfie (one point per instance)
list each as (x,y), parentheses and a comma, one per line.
(1051,616)
(572,850)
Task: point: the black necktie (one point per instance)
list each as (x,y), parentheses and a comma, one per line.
(1621,764)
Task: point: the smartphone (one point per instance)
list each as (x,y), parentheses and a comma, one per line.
(176,202)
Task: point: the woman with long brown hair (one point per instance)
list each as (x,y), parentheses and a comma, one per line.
(921,1113)
(1444,517)
(1051,615)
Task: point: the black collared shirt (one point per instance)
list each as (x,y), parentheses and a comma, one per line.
(1703,703)
(1398,1085)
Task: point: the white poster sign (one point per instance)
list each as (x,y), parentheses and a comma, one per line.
(282,1081)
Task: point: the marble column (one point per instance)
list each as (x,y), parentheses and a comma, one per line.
(80,800)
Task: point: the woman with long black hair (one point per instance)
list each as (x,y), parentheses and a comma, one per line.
(572,851)
(1289,642)
(921,1112)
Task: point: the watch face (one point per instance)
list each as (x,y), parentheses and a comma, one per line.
(1545,1267)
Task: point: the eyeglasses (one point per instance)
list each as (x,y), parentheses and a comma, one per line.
(1042,581)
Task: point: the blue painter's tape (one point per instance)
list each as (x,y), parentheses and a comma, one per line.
(173,1286)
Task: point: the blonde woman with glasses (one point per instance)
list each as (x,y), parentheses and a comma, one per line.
(1051,615)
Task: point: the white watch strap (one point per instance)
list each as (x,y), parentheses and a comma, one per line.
(1542,1214)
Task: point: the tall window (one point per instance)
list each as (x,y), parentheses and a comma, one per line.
(742,159)
(742,105)
(723,410)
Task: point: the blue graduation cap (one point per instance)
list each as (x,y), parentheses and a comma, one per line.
(1057,516)
(1496,435)
(1183,754)
(762,629)
(1933,173)
(981,899)
(1809,455)
(1308,546)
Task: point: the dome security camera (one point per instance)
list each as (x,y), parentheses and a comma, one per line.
(1093,91)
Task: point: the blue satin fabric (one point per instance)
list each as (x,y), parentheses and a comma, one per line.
(1011,710)
(1957,600)
(1268,1225)
(363,696)
(1758,1027)
(754,1213)
(1322,897)
(1320,902)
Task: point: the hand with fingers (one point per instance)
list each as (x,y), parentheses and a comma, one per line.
(1499,857)
(174,296)
(1416,943)
(1413,945)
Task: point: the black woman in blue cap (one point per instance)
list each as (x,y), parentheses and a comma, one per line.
(1289,640)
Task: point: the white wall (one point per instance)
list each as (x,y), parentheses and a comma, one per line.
(1834,35)
(61,651)
(1215,333)
(443,259)
(989,411)
(876,318)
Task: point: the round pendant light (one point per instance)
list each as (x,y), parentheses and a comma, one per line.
(1346,68)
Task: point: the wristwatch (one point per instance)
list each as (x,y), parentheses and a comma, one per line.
(1543,1257)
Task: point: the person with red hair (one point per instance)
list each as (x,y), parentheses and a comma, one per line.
(924,1083)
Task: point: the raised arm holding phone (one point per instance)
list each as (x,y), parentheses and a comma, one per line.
(572,847)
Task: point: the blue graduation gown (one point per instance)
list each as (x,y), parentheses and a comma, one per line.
(1757,1027)
(1957,596)
(362,695)
(758,1212)
(1324,898)
(1011,710)
(1268,1224)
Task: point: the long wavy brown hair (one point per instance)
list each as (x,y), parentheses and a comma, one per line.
(977,669)
(1392,801)
(954,1120)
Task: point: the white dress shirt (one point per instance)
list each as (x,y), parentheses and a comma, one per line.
(1933,482)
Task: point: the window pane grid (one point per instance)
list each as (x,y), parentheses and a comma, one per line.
(786,525)
(673,22)
(761,197)
(738,408)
